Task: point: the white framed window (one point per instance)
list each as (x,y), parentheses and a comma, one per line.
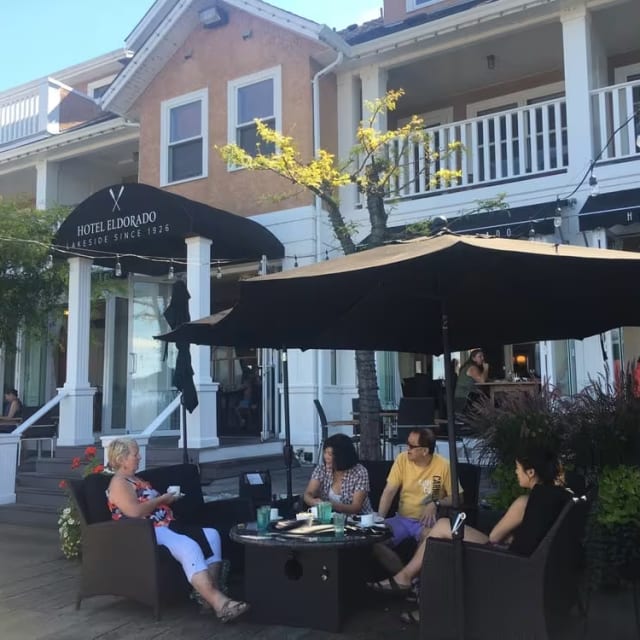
(258,95)
(184,138)
(98,88)
(412,5)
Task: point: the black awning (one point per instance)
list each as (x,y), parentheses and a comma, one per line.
(610,209)
(145,229)
(514,222)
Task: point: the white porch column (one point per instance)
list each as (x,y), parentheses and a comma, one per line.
(349,109)
(76,408)
(8,457)
(374,86)
(46,184)
(576,41)
(202,424)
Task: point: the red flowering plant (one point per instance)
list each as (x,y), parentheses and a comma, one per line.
(69,520)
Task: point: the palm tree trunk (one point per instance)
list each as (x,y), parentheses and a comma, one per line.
(369,405)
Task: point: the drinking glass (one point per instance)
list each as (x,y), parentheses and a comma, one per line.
(324,512)
(338,523)
(263,517)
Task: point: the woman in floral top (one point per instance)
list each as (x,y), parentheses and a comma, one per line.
(198,551)
(340,480)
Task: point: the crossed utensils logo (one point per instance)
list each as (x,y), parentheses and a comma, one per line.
(116,198)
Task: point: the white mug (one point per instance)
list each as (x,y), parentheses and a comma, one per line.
(174,489)
(274,514)
(305,515)
(366,520)
(313,511)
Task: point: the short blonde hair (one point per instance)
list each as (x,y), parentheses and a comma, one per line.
(118,449)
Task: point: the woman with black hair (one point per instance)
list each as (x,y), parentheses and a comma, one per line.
(339,479)
(475,370)
(520,530)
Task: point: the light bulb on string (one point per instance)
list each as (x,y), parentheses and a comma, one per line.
(295,261)
(219,272)
(172,273)
(326,254)
(532,233)
(49,263)
(118,268)
(593,183)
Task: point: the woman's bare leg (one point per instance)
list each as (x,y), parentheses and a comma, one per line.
(442,529)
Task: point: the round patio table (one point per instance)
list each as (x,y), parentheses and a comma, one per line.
(312,581)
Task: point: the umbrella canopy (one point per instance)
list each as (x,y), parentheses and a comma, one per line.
(392,297)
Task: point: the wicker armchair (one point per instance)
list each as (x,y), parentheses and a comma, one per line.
(122,558)
(505,595)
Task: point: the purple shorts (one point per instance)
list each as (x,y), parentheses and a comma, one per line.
(404,528)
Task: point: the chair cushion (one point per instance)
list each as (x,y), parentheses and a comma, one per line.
(95,498)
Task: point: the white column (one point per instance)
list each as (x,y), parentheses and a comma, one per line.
(76,408)
(349,109)
(8,458)
(202,424)
(46,184)
(374,86)
(576,40)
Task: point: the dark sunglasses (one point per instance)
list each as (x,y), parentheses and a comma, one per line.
(414,446)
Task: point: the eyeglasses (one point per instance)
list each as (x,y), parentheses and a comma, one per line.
(411,447)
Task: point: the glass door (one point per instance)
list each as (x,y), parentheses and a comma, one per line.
(149,388)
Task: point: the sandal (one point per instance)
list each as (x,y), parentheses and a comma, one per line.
(389,586)
(410,617)
(230,610)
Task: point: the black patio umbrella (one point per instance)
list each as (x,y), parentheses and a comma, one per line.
(432,295)
(176,314)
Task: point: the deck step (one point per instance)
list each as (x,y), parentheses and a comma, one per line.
(55,498)
(30,515)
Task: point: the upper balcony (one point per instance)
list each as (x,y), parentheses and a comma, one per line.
(37,111)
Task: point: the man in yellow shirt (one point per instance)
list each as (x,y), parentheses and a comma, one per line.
(424,481)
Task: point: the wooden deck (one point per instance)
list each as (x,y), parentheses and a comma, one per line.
(37,602)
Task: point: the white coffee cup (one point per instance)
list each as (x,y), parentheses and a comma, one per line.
(313,511)
(305,515)
(174,489)
(367,520)
(274,514)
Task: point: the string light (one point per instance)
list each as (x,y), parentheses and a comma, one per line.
(295,261)
(49,263)
(172,273)
(219,272)
(118,270)
(595,187)
(326,254)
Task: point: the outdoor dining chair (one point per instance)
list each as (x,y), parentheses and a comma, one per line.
(325,425)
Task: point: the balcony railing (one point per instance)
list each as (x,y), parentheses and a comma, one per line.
(616,121)
(502,146)
(33,112)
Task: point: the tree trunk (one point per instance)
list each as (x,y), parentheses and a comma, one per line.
(369,405)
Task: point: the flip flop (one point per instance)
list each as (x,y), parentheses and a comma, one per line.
(231,610)
(410,617)
(389,586)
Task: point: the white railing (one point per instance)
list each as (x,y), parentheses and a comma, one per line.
(42,411)
(160,419)
(616,128)
(31,112)
(510,144)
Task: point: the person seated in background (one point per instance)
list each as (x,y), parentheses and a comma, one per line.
(474,370)
(339,478)
(197,549)
(12,405)
(424,481)
(520,530)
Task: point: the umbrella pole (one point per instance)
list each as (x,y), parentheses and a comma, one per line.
(458,536)
(185,452)
(288,449)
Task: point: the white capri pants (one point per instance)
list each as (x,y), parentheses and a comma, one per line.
(187,551)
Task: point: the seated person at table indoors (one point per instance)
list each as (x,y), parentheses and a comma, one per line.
(339,479)
(197,549)
(473,371)
(424,481)
(520,530)
(12,408)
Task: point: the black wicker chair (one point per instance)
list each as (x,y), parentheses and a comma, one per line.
(505,595)
(122,558)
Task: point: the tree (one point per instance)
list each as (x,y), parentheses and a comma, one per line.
(31,285)
(375,164)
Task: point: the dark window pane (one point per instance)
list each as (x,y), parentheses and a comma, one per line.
(248,139)
(185,121)
(255,101)
(185,160)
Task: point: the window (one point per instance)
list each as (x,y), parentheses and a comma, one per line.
(251,97)
(412,5)
(98,88)
(184,138)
